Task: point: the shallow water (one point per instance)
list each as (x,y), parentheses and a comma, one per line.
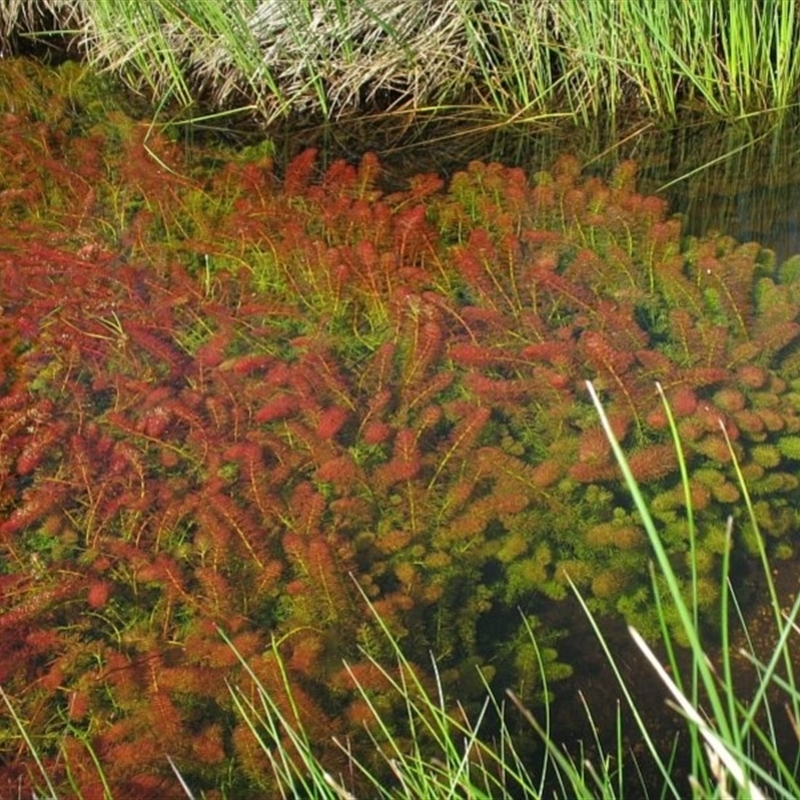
(736,194)
(734,184)
(718,176)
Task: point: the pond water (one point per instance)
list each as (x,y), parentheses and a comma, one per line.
(731,181)
(214,446)
(728,177)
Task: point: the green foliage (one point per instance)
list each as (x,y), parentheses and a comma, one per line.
(589,61)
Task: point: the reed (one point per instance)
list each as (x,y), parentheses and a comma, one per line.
(517,61)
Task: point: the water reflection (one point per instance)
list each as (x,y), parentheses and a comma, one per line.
(727,177)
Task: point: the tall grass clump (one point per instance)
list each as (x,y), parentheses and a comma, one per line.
(729,58)
(332,59)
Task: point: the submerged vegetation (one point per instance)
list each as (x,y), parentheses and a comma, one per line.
(519,61)
(721,746)
(298,472)
(238,400)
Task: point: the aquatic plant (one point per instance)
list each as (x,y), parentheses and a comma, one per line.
(740,742)
(232,400)
(736,740)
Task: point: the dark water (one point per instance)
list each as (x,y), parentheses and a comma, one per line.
(730,180)
(725,177)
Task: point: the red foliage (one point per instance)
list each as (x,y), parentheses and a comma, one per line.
(682,401)
(405,462)
(35,504)
(99,592)
(652,463)
(413,236)
(278,408)
(330,421)
(345,389)
(375,432)
(752,376)
(299,172)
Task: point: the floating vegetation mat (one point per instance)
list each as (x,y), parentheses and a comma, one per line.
(232,399)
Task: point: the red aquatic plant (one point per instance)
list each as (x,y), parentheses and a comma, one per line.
(252,398)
